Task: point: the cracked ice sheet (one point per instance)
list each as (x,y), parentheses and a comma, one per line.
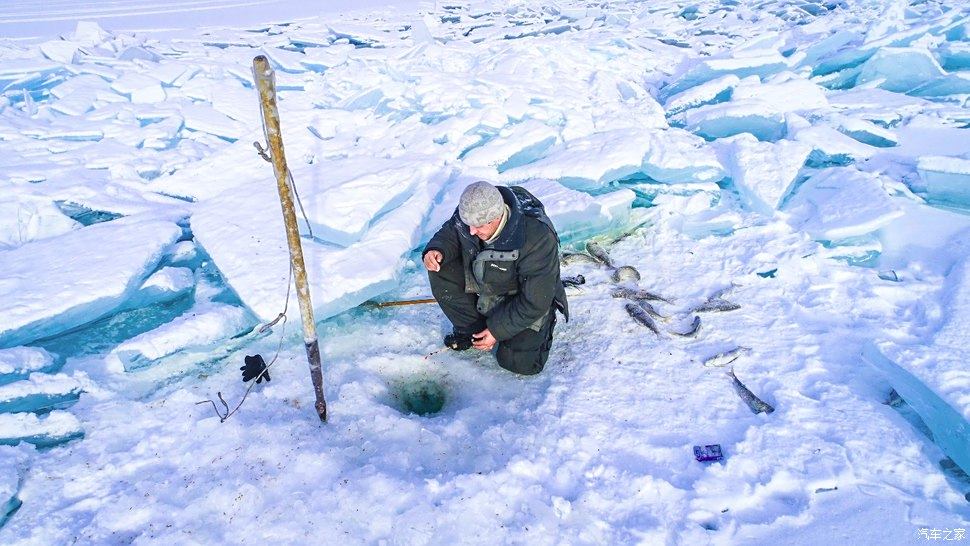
(104,264)
(840,203)
(27,218)
(52,428)
(342,198)
(40,385)
(254,258)
(19,362)
(762,172)
(949,376)
(203,325)
(586,163)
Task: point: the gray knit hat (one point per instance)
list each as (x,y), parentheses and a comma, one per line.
(480,203)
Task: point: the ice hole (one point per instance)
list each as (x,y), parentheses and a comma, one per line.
(422,396)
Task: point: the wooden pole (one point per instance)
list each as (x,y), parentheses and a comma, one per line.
(266,85)
(399,303)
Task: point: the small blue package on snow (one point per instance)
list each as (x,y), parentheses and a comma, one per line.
(708,453)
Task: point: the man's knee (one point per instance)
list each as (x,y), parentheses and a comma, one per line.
(523,362)
(526,353)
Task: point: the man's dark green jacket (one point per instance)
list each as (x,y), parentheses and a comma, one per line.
(517,275)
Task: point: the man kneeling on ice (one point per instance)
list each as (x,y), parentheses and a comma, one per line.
(494,271)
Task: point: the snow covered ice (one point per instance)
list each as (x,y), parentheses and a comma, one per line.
(805,160)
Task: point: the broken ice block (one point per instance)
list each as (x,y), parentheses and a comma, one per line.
(712,92)
(27,218)
(951,84)
(753,63)
(19,362)
(950,429)
(900,69)
(13,461)
(589,162)
(202,117)
(867,132)
(342,198)
(575,213)
(763,172)
(49,430)
(785,92)
(204,324)
(166,284)
(103,264)
(183,254)
(514,146)
(735,117)
(947,179)
(829,146)
(41,392)
(840,203)
(671,155)
(676,156)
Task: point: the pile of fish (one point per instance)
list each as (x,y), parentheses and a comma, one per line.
(644,313)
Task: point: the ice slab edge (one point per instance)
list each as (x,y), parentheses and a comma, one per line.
(950,430)
(104,264)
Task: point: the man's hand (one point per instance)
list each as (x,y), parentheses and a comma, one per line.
(484,340)
(432,260)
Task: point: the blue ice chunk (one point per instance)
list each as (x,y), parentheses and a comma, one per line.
(40,393)
(954,56)
(23,73)
(364,100)
(843,60)
(947,180)
(950,430)
(19,362)
(959,32)
(867,132)
(104,264)
(527,155)
(9,508)
(205,324)
(104,334)
(184,254)
(841,203)
(828,46)
(900,69)
(715,91)
(166,284)
(950,84)
(13,461)
(734,118)
(649,192)
(763,65)
(54,428)
(842,79)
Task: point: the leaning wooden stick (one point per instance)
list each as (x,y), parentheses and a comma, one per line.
(398,303)
(266,84)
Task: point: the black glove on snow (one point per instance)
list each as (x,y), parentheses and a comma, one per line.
(253,367)
(458,342)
